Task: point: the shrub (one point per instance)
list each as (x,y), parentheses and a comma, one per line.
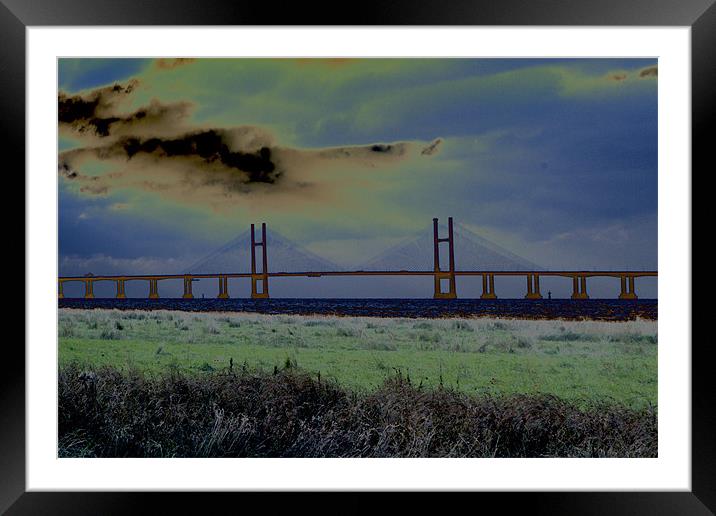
(461,326)
(570,336)
(212,329)
(426,336)
(524,342)
(108,334)
(346,332)
(66,330)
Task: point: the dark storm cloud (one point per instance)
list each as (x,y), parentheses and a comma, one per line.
(186,164)
(156,148)
(209,146)
(156,133)
(97,113)
(652,71)
(91,111)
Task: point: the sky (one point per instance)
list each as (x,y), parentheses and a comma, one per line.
(161,161)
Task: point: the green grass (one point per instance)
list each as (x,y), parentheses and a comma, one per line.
(575,360)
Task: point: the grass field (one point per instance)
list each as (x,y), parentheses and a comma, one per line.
(578,361)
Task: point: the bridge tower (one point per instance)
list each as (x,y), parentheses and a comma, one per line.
(261,277)
(627,293)
(440,274)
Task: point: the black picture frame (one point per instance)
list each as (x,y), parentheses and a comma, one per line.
(700,15)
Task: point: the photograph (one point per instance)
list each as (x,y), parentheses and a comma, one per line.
(357,257)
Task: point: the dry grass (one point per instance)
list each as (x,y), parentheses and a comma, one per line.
(242,413)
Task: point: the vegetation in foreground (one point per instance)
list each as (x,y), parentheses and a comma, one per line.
(579,361)
(240,413)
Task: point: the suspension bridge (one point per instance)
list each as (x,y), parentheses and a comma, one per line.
(443,270)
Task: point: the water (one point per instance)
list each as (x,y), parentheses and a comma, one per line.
(600,309)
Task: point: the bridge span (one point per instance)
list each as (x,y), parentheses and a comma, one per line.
(445,284)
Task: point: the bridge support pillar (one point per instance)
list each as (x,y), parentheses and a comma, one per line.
(533,287)
(627,292)
(120,289)
(60,289)
(579,287)
(153,289)
(262,276)
(488,287)
(262,280)
(223,287)
(440,274)
(89,289)
(439,294)
(187,288)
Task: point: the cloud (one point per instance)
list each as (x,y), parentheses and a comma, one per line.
(99,114)
(574,82)
(432,148)
(171,63)
(92,112)
(157,148)
(652,71)
(330,62)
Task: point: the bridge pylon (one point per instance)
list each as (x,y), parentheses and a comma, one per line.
(579,287)
(262,277)
(488,286)
(627,292)
(188,294)
(89,289)
(153,289)
(120,289)
(533,287)
(223,287)
(440,275)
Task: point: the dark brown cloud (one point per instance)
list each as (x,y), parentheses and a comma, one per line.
(171,63)
(209,146)
(644,73)
(652,71)
(93,111)
(157,148)
(99,114)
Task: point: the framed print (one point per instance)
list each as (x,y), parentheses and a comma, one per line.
(423,251)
